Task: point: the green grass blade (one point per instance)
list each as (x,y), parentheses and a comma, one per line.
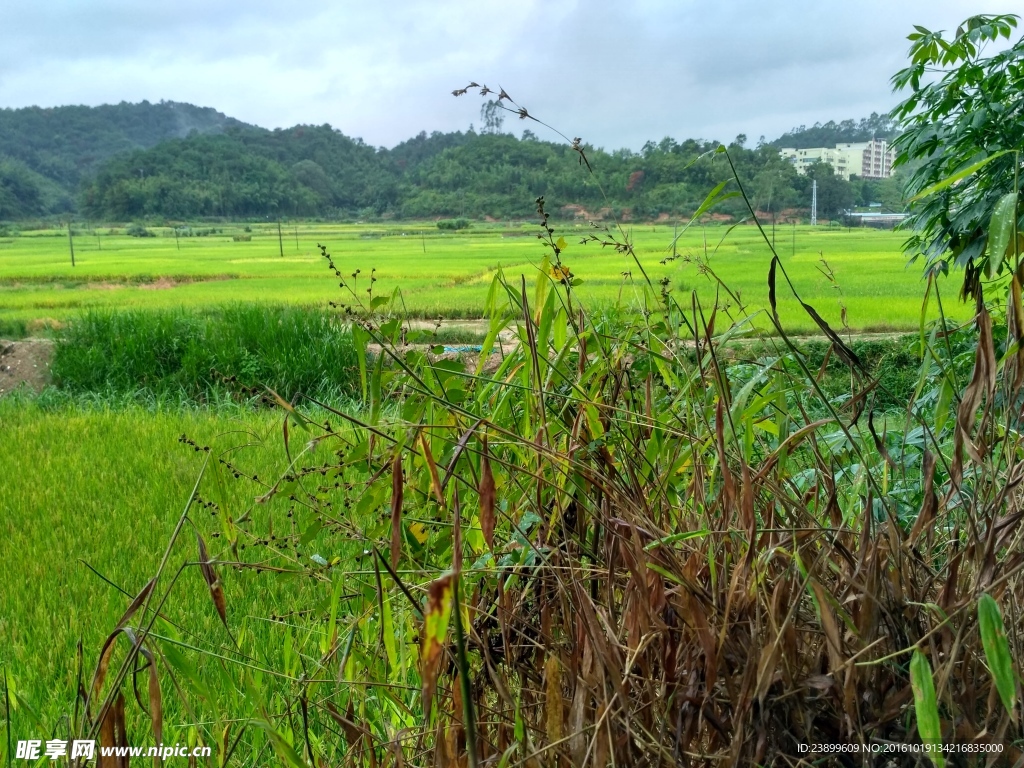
(997,651)
(925,707)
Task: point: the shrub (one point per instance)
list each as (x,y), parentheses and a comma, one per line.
(137,230)
(453,224)
(241,238)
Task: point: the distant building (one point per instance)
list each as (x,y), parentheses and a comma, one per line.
(875,219)
(866,159)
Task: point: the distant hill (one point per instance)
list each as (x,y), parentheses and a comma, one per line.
(831,133)
(45,153)
(171,161)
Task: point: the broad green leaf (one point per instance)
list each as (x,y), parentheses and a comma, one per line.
(958,176)
(541,289)
(496,324)
(997,651)
(547,316)
(926,707)
(390,329)
(673,538)
(559,329)
(1004,219)
(310,533)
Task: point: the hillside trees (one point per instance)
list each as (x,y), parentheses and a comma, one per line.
(834,194)
(60,147)
(316,171)
(877,126)
(131,162)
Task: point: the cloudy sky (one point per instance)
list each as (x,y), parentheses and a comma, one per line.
(615,73)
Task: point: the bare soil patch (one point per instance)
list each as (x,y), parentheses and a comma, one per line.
(24,363)
(160,284)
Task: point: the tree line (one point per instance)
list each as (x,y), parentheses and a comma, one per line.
(232,170)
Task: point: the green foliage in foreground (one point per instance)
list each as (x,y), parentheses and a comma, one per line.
(964,112)
(195,356)
(167,357)
(631,496)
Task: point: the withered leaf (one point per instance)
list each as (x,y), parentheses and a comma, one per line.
(212,581)
(487,519)
(435,631)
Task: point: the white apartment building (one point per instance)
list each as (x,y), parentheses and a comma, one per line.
(866,159)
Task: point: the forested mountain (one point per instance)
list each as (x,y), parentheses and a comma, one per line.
(316,171)
(831,133)
(174,161)
(46,153)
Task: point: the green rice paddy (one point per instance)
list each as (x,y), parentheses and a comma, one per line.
(447,274)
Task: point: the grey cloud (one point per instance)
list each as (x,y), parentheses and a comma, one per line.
(617,73)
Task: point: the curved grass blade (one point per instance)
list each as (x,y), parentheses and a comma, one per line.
(997,652)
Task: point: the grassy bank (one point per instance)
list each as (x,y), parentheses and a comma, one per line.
(195,356)
(234,354)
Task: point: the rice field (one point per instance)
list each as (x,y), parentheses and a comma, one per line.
(445,274)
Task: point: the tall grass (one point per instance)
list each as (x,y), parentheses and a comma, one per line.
(195,356)
(623,548)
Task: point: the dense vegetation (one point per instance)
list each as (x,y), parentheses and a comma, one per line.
(177,356)
(965,172)
(831,133)
(174,161)
(627,525)
(46,153)
(316,171)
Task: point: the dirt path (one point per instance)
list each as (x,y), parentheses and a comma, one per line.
(25,362)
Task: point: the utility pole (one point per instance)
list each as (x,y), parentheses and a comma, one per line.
(814,203)
(176,243)
(280,242)
(675,234)
(296,238)
(71,244)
